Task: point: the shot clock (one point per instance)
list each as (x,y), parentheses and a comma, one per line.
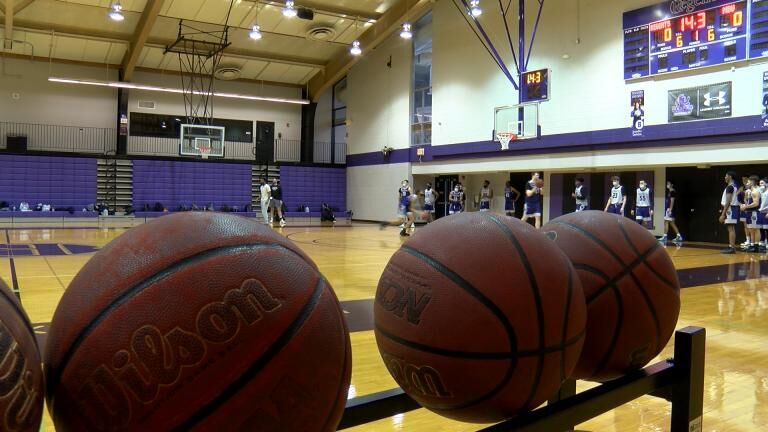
(685,34)
(534,86)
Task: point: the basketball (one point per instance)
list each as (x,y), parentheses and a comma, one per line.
(198,321)
(540,183)
(21,378)
(478,317)
(631,288)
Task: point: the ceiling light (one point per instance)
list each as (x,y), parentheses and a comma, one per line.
(406,33)
(356,50)
(474,8)
(289,11)
(255,34)
(120,84)
(115,12)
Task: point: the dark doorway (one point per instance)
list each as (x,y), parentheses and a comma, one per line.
(265,143)
(699,192)
(444,185)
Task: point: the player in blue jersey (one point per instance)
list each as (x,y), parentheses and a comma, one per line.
(486,195)
(511,195)
(751,209)
(670,211)
(729,215)
(618,198)
(580,194)
(643,211)
(403,200)
(533,199)
(763,210)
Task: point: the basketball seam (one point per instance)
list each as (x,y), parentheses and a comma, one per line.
(258,364)
(628,269)
(132,291)
(566,316)
(537,299)
(493,308)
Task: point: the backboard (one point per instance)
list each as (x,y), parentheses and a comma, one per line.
(521,121)
(203,141)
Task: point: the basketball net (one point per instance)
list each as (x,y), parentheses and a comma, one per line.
(505,138)
(204,151)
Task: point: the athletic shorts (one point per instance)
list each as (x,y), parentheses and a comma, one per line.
(454,208)
(402,210)
(485,205)
(275,203)
(753,219)
(509,206)
(669,215)
(429,208)
(732,215)
(765,220)
(581,207)
(531,210)
(643,213)
(742,215)
(615,209)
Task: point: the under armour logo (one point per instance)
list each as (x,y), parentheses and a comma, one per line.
(720,98)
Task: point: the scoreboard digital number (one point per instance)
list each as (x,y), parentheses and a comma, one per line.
(680,35)
(534,86)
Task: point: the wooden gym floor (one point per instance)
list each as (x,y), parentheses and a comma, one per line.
(727,294)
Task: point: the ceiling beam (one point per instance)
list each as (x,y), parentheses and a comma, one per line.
(390,22)
(20,6)
(8,32)
(146,22)
(325,9)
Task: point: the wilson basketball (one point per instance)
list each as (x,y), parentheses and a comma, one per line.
(21,377)
(540,183)
(479,317)
(631,287)
(198,321)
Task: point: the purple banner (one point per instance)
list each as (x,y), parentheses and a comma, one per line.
(637,101)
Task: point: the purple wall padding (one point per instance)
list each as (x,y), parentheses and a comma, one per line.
(312,186)
(556,192)
(175,183)
(60,181)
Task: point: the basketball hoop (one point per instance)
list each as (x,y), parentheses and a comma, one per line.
(204,151)
(505,138)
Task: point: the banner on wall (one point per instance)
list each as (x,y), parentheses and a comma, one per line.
(637,101)
(700,103)
(765,100)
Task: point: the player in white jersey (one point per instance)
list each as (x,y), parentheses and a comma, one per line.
(643,211)
(618,198)
(580,194)
(763,210)
(750,209)
(486,195)
(729,215)
(454,201)
(430,198)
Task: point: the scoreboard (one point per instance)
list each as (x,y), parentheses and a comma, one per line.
(680,35)
(534,86)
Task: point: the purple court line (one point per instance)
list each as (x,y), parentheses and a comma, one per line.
(14,279)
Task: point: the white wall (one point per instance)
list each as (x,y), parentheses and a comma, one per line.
(42,102)
(287,117)
(588,91)
(372,190)
(378,101)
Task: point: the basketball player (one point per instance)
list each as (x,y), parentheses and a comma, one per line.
(742,216)
(266,195)
(463,197)
(729,215)
(580,195)
(618,198)
(430,198)
(533,193)
(454,200)
(750,210)
(511,195)
(407,210)
(670,209)
(643,211)
(486,195)
(276,203)
(403,200)
(764,214)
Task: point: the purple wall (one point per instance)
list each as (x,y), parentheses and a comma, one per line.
(556,192)
(61,181)
(312,186)
(174,183)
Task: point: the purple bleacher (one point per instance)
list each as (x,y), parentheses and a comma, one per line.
(175,183)
(312,186)
(60,181)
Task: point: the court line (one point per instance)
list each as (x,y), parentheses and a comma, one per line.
(14,279)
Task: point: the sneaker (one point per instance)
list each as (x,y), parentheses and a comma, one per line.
(728,251)
(663,238)
(282,222)
(402,225)
(404,234)
(762,248)
(754,249)
(679,238)
(745,244)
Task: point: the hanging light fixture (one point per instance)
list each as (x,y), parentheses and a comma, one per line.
(289,11)
(474,8)
(115,12)
(255,33)
(356,50)
(406,32)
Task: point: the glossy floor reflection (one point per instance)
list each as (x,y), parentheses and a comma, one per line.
(727,294)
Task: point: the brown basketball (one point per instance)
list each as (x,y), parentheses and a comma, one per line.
(631,288)
(479,317)
(202,322)
(21,377)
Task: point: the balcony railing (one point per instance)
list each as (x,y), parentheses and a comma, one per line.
(76,139)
